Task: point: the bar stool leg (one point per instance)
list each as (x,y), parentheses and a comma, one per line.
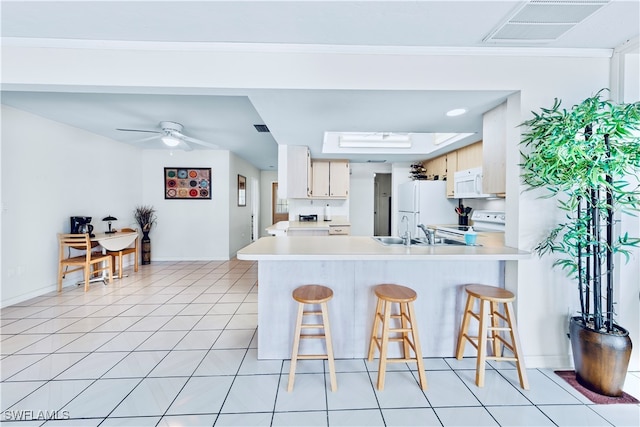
(296,345)
(517,349)
(418,350)
(462,341)
(482,344)
(382,366)
(404,324)
(328,341)
(374,331)
(495,326)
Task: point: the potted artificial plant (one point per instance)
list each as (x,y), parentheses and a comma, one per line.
(145,217)
(582,156)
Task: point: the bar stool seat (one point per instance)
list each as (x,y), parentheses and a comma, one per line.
(312,295)
(494,297)
(388,295)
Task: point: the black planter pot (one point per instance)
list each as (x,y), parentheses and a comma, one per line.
(601,359)
(146,248)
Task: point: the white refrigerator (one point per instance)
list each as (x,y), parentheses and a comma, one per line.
(424,202)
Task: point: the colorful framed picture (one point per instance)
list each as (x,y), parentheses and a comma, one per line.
(187,183)
(242,191)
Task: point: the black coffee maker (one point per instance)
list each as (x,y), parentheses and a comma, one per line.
(81,225)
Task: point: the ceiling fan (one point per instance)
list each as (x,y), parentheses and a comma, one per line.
(171,135)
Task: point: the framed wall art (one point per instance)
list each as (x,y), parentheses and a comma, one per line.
(242,191)
(187,183)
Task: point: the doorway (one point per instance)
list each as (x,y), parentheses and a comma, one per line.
(382,204)
(279,207)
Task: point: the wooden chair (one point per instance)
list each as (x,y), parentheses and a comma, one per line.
(89,261)
(126,251)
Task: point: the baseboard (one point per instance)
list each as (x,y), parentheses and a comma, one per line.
(548,362)
(33,294)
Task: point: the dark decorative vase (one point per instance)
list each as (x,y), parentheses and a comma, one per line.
(146,248)
(601,359)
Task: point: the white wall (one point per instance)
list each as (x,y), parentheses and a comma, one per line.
(188,229)
(266,179)
(628,279)
(50,172)
(240,216)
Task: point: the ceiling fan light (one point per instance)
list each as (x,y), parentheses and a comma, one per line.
(170,141)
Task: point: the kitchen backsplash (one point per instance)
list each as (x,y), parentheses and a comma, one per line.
(316,207)
(485,204)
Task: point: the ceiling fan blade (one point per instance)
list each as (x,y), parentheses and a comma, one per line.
(185,147)
(145,139)
(139,130)
(199,142)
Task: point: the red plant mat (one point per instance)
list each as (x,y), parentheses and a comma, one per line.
(600,399)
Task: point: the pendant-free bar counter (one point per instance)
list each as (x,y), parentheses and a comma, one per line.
(352,266)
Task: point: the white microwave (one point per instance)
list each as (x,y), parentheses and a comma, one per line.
(468,184)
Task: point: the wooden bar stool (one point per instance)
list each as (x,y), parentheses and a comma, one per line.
(312,294)
(387,295)
(490,297)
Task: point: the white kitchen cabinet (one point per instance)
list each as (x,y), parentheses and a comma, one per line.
(494,131)
(330,179)
(294,169)
(452,168)
(470,157)
(436,167)
(339,230)
(320,179)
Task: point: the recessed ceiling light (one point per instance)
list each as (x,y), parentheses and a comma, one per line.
(456,112)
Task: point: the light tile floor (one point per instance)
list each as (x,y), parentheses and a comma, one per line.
(175,345)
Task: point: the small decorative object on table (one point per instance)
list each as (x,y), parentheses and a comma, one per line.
(145,217)
(110,219)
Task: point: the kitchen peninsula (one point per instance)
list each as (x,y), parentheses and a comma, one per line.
(352,266)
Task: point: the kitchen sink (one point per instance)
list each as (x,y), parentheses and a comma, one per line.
(389,240)
(440,241)
(445,241)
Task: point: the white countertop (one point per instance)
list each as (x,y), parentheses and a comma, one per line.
(362,248)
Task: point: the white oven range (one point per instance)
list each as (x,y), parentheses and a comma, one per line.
(484,221)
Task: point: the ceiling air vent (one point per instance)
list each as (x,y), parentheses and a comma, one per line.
(261,128)
(542,21)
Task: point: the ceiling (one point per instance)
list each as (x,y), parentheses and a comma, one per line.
(226,117)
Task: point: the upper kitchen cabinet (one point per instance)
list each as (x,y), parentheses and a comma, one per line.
(329,179)
(494,130)
(470,156)
(436,167)
(294,171)
(452,167)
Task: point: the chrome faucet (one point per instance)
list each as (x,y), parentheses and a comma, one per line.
(429,232)
(406,237)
